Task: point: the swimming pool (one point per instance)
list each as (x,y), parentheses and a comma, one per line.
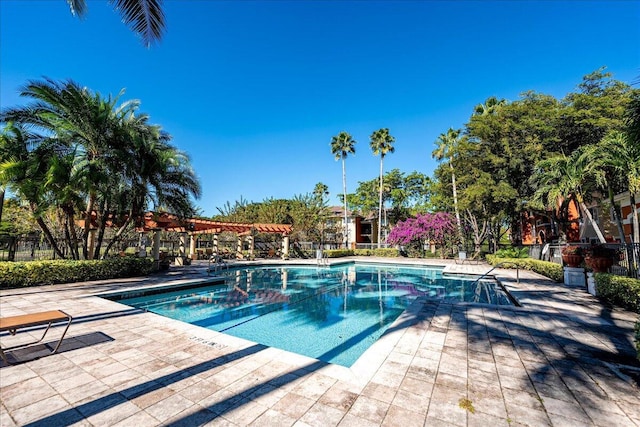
(331,314)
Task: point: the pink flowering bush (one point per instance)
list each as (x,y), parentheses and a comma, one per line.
(424,228)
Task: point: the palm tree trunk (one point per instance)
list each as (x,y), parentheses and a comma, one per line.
(87,225)
(116,237)
(634,218)
(344,192)
(48,235)
(616,215)
(1,203)
(380,204)
(455,203)
(596,228)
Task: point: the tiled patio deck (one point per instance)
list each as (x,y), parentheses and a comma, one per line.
(554,361)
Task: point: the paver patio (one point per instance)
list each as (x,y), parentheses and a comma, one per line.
(562,359)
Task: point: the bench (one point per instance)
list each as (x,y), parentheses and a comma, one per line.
(13,323)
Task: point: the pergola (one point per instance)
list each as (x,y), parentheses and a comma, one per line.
(154,222)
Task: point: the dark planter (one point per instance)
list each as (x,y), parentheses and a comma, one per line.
(599,264)
(572,260)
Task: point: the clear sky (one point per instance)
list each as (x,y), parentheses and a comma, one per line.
(254,91)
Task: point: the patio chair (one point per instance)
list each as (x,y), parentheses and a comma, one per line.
(13,323)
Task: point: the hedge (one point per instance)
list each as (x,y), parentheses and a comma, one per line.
(549,269)
(37,273)
(382,252)
(622,291)
(337,253)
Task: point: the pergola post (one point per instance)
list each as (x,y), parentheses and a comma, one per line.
(239,248)
(156,244)
(181,249)
(251,246)
(215,244)
(192,246)
(285,247)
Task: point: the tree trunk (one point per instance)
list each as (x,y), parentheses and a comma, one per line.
(479,233)
(1,202)
(455,204)
(344,192)
(87,225)
(634,218)
(596,227)
(116,237)
(48,235)
(101,220)
(380,204)
(616,215)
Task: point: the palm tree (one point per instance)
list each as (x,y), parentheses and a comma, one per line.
(618,152)
(342,145)
(381,142)
(561,177)
(144,17)
(489,106)
(447,147)
(24,170)
(105,159)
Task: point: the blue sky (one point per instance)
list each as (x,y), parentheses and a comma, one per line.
(254,91)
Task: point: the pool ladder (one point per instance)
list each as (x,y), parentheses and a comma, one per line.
(322,259)
(218,264)
(493,268)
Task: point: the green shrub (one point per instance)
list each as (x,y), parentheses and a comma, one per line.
(386,252)
(337,253)
(513,253)
(549,269)
(363,252)
(36,273)
(622,291)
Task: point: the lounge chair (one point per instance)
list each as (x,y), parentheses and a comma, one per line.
(13,323)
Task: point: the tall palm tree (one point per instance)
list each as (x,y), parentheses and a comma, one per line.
(342,145)
(144,17)
(447,147)
(381,143)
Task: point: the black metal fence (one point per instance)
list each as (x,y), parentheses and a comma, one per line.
(627,264)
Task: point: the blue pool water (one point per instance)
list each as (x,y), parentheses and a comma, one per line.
(331,314)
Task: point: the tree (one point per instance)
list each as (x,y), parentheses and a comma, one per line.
(95,158)
(144,17)
(562,177)
(618,152)
(342,145)
(381,143)
(489,106)
(447,146)
(423,229)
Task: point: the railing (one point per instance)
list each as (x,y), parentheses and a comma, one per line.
(628,263)
(493,268)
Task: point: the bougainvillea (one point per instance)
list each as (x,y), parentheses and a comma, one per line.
(424,228)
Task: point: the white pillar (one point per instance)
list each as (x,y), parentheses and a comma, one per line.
(251,246)
(181,249)
(239,248)
(192,246)
(285,247)
(156,244)
(215,244)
